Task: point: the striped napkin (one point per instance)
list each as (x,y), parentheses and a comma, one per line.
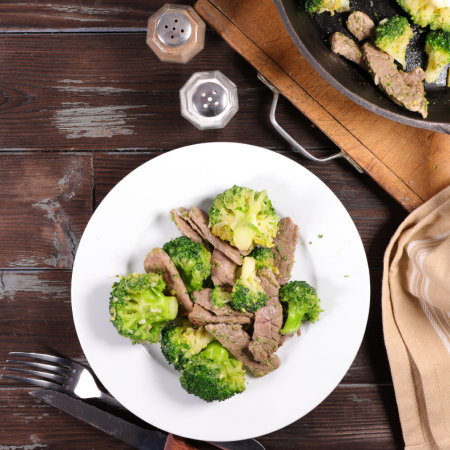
(416,323)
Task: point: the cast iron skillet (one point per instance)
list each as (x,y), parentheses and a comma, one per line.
(310,34)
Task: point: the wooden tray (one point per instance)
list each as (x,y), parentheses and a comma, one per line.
(411,164)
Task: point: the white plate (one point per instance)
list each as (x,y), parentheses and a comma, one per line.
(134,218)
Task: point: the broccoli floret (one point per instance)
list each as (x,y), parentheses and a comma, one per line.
(263,258)
(248,294)
(422,12)
(220,297)
(302,304)
(244,218)
(393,36)
(212,375)
(181,342)
(437,47)
(332,6)
(139,309)
(191,259)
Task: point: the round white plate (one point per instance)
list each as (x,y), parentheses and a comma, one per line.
(134,218)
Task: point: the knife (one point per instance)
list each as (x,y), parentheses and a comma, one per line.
(247,444)
(119,428)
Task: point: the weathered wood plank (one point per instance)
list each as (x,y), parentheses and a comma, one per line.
(375,214)
(363,417)
(109,91)
(45,204)
(69,15)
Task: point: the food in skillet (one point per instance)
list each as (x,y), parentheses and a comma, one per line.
(241,304)
(387,44)
(331,6)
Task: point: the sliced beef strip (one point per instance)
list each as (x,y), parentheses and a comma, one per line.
(185,216)
(200,316)
(223,270)
(361,26)
(401,88)
(203,298)
(346,47)
(184,228)
(285,243)
(268,320)
(201,219)
(236,341)
(158,261)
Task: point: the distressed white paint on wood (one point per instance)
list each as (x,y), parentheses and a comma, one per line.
(78,120)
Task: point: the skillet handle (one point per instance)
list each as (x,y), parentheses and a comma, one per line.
(292,141)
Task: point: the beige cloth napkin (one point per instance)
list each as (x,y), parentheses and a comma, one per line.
(416,322)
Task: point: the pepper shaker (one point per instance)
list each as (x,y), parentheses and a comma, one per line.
(176,33)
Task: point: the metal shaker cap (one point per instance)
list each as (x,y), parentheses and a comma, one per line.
(209,100)
(176,33)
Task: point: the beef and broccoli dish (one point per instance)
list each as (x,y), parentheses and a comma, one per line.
(381,46)
(219,299)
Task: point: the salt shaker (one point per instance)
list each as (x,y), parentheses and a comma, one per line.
(176,33)
(209,100)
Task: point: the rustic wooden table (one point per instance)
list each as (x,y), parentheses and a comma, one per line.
(83,102)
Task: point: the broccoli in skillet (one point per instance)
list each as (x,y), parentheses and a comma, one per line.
(331,6)
(191,259)
(437,47)
(301,303)
(139,309)
(263,258)
(220,297)
(428,12)
(180,342)
(248,294)
(212,375)
(244,218)
(393,36)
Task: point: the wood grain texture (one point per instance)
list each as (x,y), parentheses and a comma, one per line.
(110,92)
(400,161)
(69,16)
(45,204)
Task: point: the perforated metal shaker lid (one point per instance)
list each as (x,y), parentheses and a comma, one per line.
(209,100)
(176,33)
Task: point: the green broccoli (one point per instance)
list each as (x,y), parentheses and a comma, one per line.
(181,342)
(220,297)
(427,12)
(139,309)
(263,257)
(437,47)
(244,218)
(212,375)
(393,36)
(302,304)
(332,6)
(191,259)
(248,294)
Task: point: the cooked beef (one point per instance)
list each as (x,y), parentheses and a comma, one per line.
(200,316)
(185,216)
(283,339)
(285,243)
(268,320)
(223,270)
(201,219)
(236,341)
(184,228)
(401,88)
(361,26)
(344,46)
(158,261)
(203,298)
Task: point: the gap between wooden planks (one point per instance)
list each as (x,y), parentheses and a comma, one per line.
(411,164)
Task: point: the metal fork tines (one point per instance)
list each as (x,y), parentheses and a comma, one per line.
(70,377)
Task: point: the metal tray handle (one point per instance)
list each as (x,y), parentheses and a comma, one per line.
(293,142)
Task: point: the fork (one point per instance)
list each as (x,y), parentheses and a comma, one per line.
(73,378)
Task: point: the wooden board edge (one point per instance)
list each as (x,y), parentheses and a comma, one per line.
(307,105)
